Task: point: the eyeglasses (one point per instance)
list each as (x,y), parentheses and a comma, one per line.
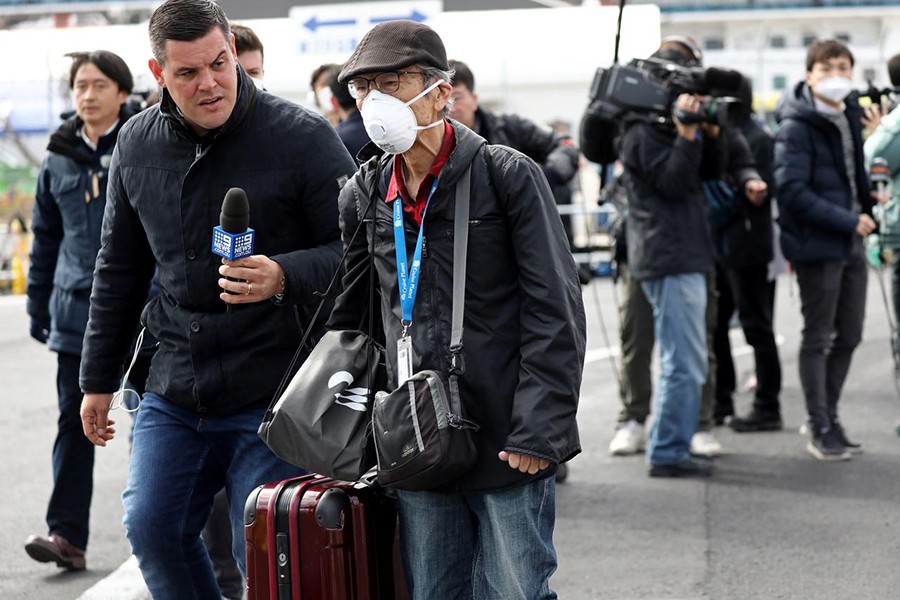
(387,83)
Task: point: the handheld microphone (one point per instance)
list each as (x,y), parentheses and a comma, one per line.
(233,238)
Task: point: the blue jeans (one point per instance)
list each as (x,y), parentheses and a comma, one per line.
(179,461)
(679,316)
(68,512)
(479,546)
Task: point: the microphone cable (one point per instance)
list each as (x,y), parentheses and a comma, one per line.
(119,397)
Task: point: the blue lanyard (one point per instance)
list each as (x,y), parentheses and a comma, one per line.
(408,277)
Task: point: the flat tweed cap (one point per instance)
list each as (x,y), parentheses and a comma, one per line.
(392,45)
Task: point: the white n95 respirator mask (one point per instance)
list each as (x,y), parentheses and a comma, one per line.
(390,122)
(834,89)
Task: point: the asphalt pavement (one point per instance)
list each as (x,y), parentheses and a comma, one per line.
(771,523)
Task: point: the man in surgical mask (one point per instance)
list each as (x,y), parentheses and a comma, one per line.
(488,533)
(320,94)
(826,212)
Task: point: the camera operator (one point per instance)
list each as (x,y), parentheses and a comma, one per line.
(670,254)
(723,164)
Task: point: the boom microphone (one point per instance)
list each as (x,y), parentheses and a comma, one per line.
(724,80)
(233,238)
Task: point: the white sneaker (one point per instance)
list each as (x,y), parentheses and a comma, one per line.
(704,443)
(629,439)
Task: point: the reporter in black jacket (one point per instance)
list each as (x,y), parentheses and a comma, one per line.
(220,355)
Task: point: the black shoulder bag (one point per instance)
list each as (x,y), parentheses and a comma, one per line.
(422,439)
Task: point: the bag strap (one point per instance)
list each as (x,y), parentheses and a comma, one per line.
(286,378)
(460,250)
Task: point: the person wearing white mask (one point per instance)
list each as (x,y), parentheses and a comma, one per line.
(487,534)
(320,94)
(825,206)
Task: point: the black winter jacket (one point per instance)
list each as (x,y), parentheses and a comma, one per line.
(553,152)
(524,337)
(747,240)
(667,228)
(815,200)
(66,222)
(165,193)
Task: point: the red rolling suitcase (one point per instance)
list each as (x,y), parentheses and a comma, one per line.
(313,537)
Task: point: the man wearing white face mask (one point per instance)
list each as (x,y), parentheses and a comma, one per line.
(320,93)
(825,205)
(487,534)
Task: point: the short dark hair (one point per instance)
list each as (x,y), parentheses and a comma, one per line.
(893,67)
(340,91)
(184,21)
(109,64)
(821,51)
(463,75)
(320,70)
(245,39)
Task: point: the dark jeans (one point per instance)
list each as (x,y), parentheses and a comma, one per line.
(749,289)
(833,298)
(179,461)
(68,513)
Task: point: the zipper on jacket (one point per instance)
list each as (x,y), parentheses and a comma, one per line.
(424,246)
(198,151)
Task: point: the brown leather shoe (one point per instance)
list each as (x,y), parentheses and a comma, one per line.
(55,549)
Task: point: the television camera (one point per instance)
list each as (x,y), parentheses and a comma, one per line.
(645,90)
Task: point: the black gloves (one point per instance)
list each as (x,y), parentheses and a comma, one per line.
(39,330)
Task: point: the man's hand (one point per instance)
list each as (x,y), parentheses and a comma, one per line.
(95,421)
(710,130)
(881,197)
(865,226)
(261,279)
(39,330)
(523,462)
(872,117)
(756,191)
(688,103)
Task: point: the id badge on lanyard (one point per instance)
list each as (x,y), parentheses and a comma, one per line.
(408,280)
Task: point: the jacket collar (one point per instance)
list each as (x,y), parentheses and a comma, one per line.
(65,140)
(468,144)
